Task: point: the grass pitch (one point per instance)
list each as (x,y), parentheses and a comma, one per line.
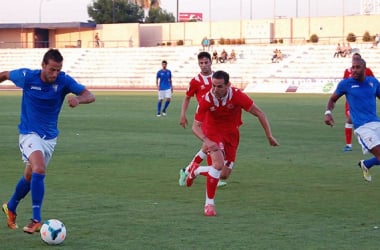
(113,180)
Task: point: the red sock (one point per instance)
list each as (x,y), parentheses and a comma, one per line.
(198,158)
(348,134)
(211,184)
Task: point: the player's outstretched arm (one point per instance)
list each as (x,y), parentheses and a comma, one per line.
(4,76)
(84,98)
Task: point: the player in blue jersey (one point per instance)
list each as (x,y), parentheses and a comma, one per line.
(165,88)
(43,93)
(361,92)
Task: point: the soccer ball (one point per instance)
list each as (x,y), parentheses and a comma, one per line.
(53,232)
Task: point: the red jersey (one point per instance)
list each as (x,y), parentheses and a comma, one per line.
(223,114)
(348,73)
(199,86)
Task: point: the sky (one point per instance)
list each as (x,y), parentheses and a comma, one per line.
(48,11)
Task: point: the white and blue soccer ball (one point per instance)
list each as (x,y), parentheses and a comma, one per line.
(53,232)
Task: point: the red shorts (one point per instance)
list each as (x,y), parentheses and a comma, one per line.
(228,142)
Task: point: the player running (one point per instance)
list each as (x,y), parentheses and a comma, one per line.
(216,124)
(43,94)
(198,87)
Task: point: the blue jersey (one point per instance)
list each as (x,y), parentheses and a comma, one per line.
(42,102)
(165,77)
(361,97)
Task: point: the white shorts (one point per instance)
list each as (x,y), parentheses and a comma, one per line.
(368,136)
(162,94)
(33,142)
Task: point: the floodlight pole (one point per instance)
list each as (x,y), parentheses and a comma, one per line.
(343,21)
(40,10)
(39,13)
(250,10)
(209,21)
(177,10)
(113,11)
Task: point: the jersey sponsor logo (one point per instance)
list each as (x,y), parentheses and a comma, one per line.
(36,88)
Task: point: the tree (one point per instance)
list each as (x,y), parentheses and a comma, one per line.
(366,37)
(115,11)
(157,15)
(351,37)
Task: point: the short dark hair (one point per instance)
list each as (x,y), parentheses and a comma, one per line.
(52,54)
(164,61)
(220,74)
(204,54)
(361,60)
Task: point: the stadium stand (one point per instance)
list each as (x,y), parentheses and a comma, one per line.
(127,68)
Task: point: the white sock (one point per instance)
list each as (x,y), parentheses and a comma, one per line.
(202,169)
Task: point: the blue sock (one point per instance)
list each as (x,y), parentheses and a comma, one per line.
(369,163)
(166,106)
(159,104)
(37,187)
(21,190)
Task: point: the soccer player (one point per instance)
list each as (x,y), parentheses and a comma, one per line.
(348,125)
(216,124)
(165,87)
(361,92)
(43,94)
(198,87)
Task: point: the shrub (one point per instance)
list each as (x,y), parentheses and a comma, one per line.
(366,37)
(212,42)
(180,42)
(351,37)
(221,41)
(314,38)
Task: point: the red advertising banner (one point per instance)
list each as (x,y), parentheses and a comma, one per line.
(187,17)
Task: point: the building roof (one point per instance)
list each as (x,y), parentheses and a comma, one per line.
(64,25)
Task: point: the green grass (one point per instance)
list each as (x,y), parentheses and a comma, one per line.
(113,180)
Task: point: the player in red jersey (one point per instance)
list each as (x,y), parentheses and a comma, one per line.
(348,127)
(216,124)
(198,87)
